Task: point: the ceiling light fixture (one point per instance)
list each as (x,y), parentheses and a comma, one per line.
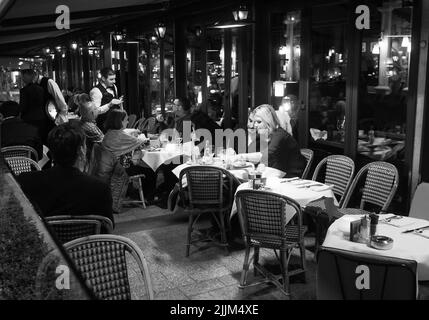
(160,30)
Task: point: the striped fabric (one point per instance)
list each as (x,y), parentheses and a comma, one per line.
(379,184)
(339,171)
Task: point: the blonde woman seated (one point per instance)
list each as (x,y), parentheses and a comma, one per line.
(283,151)
(122,143)
(88,113)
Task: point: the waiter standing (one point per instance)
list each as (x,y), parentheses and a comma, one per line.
(105,95)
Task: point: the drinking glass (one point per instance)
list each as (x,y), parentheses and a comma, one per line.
(340,127)
(163,139)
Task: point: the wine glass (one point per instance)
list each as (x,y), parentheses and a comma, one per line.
(163,139)
(340,127)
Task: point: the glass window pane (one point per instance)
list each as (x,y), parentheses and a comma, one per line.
(286,38)
(383,88)
(327,96)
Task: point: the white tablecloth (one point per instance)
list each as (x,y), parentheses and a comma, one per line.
(293,190)
(169,154)
(405,245)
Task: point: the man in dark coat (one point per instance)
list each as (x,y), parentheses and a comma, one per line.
(15,132)
(65,189)
(32,105)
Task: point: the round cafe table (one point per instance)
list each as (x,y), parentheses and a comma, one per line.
(171,153)
(412,246)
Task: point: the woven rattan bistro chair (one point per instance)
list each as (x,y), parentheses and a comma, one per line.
(207,190)
(263,219)
(68,228)
(20,151)
(19,165)
(387,278)
(339,172)
(380,186)
(103,262)
(308,155)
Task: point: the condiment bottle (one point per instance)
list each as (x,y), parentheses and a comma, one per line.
(257,182)
(365,229)
(374,222)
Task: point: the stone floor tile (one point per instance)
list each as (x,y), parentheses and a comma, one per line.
(174,294)
(230,279)
(178,278)
(209,274)
(160,282)
(202,296)
(201,287)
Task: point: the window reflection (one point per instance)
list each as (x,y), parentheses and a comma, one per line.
(286,39)
(327,99)
(383,90)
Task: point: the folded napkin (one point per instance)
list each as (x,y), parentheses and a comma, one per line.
(316,134)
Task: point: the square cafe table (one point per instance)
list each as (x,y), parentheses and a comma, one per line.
(412,245)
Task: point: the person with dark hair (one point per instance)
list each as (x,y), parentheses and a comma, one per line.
(201,120)
(125,145)
(32,105)
(105,95)
(15,132)
(182,112)
(64,189)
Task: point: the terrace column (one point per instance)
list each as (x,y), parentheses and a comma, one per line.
(180,77)
(133,79)
(107,50)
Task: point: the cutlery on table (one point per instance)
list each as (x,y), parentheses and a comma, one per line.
(395,217)
(290,179)
(416,229)
(311,185)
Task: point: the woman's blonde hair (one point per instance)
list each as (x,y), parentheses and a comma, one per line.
(87,110)
(267,113)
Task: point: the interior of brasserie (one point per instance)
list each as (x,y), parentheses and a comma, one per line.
(122,130)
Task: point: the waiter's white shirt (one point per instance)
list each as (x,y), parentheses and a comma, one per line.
(96,96)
